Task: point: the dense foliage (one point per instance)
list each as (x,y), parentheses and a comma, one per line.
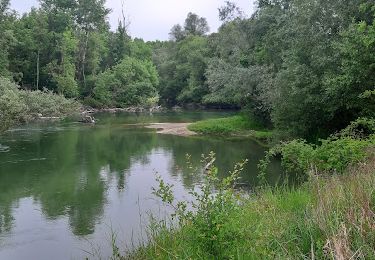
(131,82)
(304,67)
(67,47)
(334,155)
(22,105)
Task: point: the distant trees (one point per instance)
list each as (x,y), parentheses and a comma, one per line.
(304,67)
(182,62)
(67,47)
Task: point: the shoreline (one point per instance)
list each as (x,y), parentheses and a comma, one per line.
(178,129)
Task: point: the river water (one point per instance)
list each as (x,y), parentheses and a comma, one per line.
(64,186)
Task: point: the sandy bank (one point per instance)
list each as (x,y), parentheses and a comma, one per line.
(172,128)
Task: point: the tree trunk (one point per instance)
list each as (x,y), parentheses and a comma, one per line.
(37,71)
(84,57)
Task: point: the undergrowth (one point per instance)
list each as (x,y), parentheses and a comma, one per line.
(330,216)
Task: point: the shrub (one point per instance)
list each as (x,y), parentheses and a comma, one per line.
(129,83)
(11,104)
(334,155)
(207,215)
(325,218)
(47,104)
(19,105)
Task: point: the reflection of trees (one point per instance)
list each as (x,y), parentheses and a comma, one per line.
(68,180)
(68,172)
(228,152)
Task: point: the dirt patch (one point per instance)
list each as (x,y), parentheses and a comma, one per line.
(172,128)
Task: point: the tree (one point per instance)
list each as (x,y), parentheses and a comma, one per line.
(351,86)
(193,26)
(4,6)
(90,16)
(63,70)
(229,12)
(191,67)
(7,39)
(177,33)
(119,45)
(33,50)
(131,82)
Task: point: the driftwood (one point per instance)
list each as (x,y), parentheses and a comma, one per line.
(128,109)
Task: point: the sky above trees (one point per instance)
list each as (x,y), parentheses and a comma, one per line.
(153,19)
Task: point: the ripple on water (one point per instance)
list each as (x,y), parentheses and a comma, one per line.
(4,149)
(26,160)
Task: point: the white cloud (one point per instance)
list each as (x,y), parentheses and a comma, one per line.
(152,19)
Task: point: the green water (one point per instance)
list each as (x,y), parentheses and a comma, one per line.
(64,186)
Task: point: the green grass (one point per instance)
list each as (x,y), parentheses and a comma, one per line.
(326,218)
(235,125)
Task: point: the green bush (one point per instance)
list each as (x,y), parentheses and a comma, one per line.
(207,215)
(334,155)
(130,83)
(47,104)
(12,106)
(20,105)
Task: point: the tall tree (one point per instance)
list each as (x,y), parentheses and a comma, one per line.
(7,39)
(193,26)
(90,16)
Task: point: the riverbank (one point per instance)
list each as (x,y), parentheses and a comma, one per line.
(328,213)
(180,129)
(238,125)
(131,109)
(234,126)
(324,218)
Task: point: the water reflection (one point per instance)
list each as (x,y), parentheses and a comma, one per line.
(80,173)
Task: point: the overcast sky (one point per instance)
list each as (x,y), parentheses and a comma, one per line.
(153,19)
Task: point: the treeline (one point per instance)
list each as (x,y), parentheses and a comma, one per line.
(67,47)
(305,67)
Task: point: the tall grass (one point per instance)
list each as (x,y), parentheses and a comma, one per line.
(328,217)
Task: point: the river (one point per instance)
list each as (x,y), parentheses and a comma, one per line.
(64,186)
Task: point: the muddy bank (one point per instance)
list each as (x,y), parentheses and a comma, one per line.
(179,129)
